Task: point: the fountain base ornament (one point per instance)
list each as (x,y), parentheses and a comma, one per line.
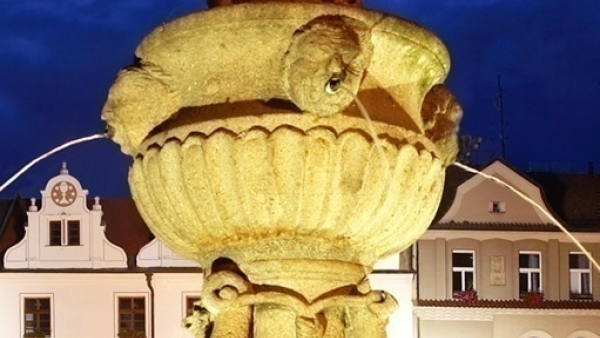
(232,308)
(252,157)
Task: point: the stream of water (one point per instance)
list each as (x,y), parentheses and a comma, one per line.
(45,155)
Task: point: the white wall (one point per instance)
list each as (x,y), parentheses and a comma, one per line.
(399,285)
(170,290)
(84,304)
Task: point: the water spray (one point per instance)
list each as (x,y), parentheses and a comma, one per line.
(367,118)
(47,154)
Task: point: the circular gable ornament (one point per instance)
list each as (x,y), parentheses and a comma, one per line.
(63,193)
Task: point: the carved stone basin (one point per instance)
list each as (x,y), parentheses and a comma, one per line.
(250,147)
(290,188)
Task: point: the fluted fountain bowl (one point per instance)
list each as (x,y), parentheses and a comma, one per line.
(249,144)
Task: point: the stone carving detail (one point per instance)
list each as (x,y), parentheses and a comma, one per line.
(329,51)
(64,193)
(208,58)
(248,143)
(229,304)
(497,270)
(288,189)
(441,114)
(144,87)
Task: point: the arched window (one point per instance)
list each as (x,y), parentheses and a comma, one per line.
(535,334)
(583,334)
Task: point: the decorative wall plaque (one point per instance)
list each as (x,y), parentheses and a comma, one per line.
(64,193)
(497,271)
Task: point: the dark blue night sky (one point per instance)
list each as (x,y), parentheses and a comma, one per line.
(59,57)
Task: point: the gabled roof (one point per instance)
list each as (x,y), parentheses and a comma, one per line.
(455,176)
(572,198)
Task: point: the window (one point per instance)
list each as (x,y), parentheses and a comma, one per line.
(530,272)
(132,317)
(190,307)
(73,232)
(64,232)
(497,207)
(463,271)
(580,276)
(37,315)
(55,233)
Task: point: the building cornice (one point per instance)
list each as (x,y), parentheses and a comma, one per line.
(508,235)
(487,314)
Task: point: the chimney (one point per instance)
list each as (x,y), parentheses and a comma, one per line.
(591,168)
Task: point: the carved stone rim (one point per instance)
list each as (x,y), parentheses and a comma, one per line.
(304,122)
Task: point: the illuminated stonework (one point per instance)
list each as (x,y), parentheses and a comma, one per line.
(252,157)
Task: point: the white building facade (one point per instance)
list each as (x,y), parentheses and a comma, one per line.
(65,278)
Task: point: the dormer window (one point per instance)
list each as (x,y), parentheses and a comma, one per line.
(497,207)
(64,233)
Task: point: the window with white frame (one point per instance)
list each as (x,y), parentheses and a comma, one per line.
(463,271)
(530,272)
(64,232)
(37,316)
(580,271)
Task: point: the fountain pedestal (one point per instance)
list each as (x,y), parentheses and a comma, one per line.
(253,158)
(245,310)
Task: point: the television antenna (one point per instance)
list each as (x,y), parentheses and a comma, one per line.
(499,104)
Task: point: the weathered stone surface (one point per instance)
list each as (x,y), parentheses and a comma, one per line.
(282,186)
(243,52)
(253,157)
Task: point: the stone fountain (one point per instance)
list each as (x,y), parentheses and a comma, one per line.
(252,157)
